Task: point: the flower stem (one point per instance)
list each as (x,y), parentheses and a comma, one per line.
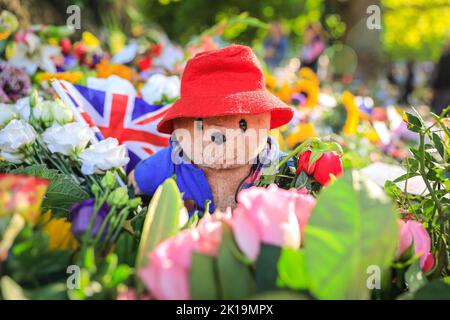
(297,150)
(423,173)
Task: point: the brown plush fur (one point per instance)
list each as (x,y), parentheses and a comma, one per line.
(228,163)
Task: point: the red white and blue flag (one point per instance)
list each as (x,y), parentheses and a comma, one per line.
(129,119)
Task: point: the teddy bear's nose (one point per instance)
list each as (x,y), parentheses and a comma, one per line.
(218,138)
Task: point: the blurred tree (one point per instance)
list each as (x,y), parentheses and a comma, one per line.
(182,19)
(415,29)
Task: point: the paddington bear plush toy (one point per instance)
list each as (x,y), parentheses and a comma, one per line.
(219,131)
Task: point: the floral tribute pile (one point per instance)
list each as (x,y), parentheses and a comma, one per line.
(320,224)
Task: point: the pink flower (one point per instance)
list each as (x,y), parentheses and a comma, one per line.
(413,232)
(167,274)
(304,204)
(267,216)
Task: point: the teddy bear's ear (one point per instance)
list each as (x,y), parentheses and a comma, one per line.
(132,183)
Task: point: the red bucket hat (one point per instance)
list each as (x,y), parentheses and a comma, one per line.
(224,82)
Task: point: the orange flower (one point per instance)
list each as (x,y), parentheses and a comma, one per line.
(105,69)
(22,195)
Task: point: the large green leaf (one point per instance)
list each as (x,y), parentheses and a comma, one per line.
(162,220)
(352,227)
(434,290)
(62,191)
(292,271)
(203,277)
(235,278)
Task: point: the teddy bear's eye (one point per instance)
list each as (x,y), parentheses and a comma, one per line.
(243,125)
(199,123)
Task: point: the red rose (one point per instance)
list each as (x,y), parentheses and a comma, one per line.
(303,164)
(144,63)
(65,45)
(328,163)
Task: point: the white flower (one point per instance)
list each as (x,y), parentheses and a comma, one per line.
(170,55)
(15,158)
(47,112)
(70,139)
(102,156)
(7,113)
(61,112)
(113,83)
(160,87)
(14,140)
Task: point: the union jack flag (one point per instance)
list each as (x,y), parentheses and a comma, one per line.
(129,119)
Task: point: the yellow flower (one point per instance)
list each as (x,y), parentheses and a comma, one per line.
(352,121)
(53,41)
(117,41)
(90,40)
(10,50)
(371,135)
(59,231)
(310,89)
(308,74)
(284,93)
(300,134)
(72,77)
(271,81)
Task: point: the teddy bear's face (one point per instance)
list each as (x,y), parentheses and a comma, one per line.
(223,142)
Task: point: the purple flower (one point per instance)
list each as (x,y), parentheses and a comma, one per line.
(14,83)
(70,61)
(80,215)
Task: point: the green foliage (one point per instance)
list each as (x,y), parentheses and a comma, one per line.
(62,191)
(32,264)
(227,276)
(235,278)
(203,277)
(430,161)
(352,227)
(267,267)
(295,14)
(292,270)
(422,24)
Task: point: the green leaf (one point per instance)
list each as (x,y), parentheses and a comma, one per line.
(203,278)
(352,227)
(414,277)
(235,278)
(438,144)
(61,194)
(162,220)
(292,270)
(414,123)
(301,180)
(434,290)
(266,267)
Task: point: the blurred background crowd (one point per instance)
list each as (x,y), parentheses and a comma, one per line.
(401,56)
